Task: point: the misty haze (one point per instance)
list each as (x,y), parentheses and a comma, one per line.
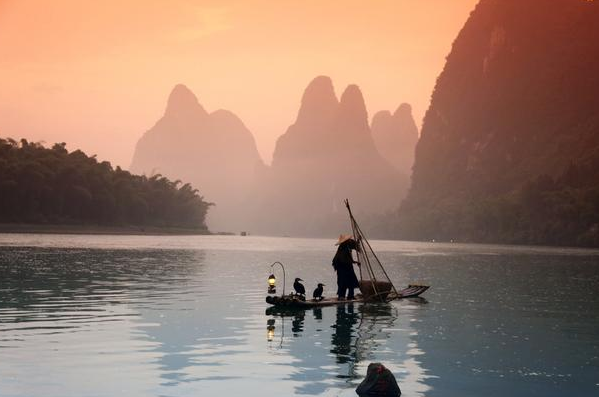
(299,198)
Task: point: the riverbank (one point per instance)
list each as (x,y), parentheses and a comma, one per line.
(96,229)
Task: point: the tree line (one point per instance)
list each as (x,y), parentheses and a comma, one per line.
(547,210)
(54,186)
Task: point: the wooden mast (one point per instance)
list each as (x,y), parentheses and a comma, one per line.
(363,247)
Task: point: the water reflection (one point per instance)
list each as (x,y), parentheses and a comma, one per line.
(533,333)
(344,330)
(297,325)
(99,306)
(150,322)
(357,334)
(70,289)
(317,313)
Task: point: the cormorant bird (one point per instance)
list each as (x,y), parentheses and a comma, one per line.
(298,287)
(317,294)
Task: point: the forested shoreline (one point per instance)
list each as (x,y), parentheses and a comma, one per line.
(53,186)
(509,147)
(555,211)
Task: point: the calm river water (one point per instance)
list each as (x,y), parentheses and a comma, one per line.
(185,316)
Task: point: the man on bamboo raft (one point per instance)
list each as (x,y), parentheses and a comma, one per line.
(343,264)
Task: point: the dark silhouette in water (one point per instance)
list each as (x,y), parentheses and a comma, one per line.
(317,313)
(341,339)
(379,382)
(355,333)
(343,263)
(297,324)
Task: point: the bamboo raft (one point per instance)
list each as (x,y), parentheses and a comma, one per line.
(296,302)
(375,284)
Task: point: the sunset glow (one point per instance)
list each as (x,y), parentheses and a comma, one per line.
(97,74)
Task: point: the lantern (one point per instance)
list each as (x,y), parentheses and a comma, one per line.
(271,284)
(272,280)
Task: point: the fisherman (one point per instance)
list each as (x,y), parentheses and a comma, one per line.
(343,265)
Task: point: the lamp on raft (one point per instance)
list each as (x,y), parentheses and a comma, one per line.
(272,289)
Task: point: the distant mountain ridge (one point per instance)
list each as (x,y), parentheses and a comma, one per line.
(213,151)
(326,155)
(509,149)
(395,136)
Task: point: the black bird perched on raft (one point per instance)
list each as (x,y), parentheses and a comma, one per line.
(298,287)
(317,294)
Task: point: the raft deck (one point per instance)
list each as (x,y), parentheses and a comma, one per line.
(294,301)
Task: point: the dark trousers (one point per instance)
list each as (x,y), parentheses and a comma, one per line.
(341,289)
(346,281)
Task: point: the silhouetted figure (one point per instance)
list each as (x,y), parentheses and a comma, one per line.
(379,382)
(343,265)
(317,294)
(298,287)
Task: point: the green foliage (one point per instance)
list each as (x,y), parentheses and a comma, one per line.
(509,150)
(544,210)
(41,185)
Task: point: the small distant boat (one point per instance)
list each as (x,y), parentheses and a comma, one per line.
(375,284)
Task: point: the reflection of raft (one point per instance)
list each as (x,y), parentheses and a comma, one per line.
(293,301)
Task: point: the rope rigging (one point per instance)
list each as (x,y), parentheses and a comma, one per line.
(375,283)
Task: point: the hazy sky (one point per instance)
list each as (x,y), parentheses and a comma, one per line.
(96,74)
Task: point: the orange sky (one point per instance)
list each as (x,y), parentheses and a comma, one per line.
(96,74)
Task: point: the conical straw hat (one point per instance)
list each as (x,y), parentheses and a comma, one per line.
(343,238)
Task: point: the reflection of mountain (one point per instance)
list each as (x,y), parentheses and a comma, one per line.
(103,303)
(172,326)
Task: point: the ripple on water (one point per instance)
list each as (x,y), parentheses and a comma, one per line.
(189,318)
